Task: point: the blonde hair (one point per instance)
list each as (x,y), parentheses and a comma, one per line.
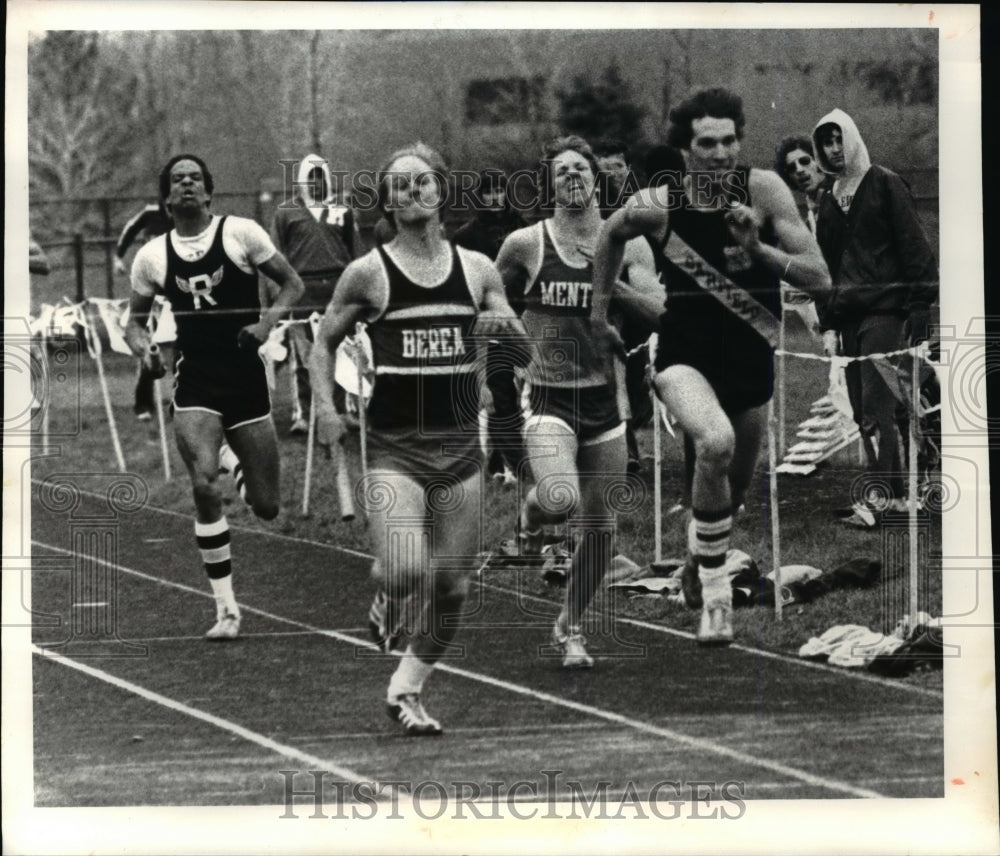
(421,150)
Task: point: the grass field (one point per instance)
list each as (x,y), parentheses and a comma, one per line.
(196,724)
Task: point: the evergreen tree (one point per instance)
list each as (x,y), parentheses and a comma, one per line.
(600,109)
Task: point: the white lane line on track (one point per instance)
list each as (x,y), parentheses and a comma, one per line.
(656,628)
(233,526)
(264,634)
(760,652)
(539,695)
(289,752)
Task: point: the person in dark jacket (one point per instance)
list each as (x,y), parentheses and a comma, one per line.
(494,217)
(885,281)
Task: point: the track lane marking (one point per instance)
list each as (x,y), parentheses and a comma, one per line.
(634,622)
(736,646)
(539,695)
(289,752)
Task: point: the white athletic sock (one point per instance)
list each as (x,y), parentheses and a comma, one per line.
(716,586)
(225,600)
(409,676)
(563,627)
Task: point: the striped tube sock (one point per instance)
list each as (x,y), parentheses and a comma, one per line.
(229,463)
(708,536)
(213,544)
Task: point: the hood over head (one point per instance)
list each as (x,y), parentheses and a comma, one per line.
(306,166)
(856,159)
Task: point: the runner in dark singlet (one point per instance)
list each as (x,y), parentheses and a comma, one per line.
(207,268)
(734,237)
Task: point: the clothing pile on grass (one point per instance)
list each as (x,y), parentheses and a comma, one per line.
(553,561)
(913,644)
(799,583)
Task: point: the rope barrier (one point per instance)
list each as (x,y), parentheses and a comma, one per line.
(86,313)
(920,350)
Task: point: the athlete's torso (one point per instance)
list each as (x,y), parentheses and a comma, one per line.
(425,358)
(212,299)
(557,307)
(707,233)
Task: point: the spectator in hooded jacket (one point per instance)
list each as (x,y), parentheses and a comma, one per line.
(318,236)
(885,281)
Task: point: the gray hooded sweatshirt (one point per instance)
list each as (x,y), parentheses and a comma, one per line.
(877,251)
(316,236)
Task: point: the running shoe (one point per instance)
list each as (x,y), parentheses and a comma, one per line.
(716,628)
(409,712)
(385,622)
(505,478)
(555,570)
(225,629)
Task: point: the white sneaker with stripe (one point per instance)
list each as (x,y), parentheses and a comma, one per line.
(409,712)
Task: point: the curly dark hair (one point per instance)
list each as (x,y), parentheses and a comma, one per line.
(165,174)
(790,144)
(718,103)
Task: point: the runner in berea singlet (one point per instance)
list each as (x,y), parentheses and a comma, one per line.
(429,307)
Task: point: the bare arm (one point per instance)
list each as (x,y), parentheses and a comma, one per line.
(497,321)
(797,258)
(642,298)
(269,289)
(513,262)
(143,294)
(290,291)
(643,214)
